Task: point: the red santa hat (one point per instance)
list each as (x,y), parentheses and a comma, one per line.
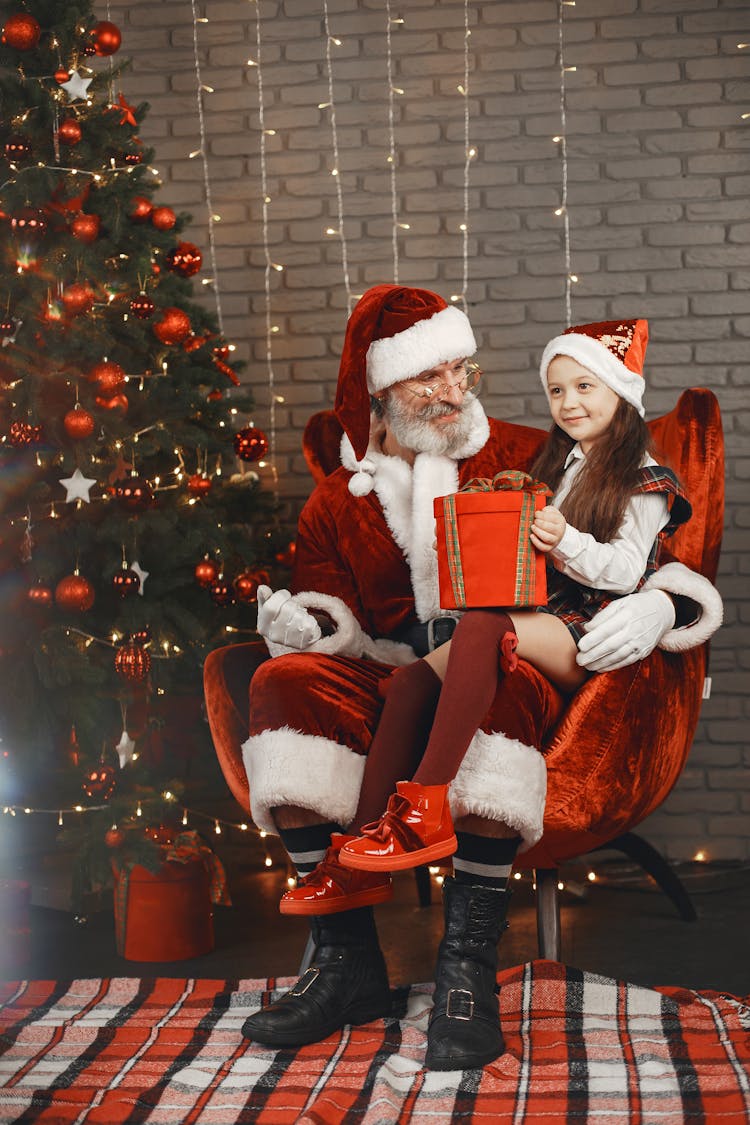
(613,350)
(394,333)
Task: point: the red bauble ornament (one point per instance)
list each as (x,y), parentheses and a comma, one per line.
(142,209)
(7,327)
(23,433)
(109,377)
(194,342)
(39,595)
(141,636)
(198,484)
(142,307)
(30,223)
(125,582)
(21,31)
(246,584)
(78,424)
(106,38)
(69,131)
(134,494)
(74,592)
(77,298)
(114,837)
(250,444)
(86,228)
(100,781)
(17,148)
(215,395)
(62,75)
(163,218)
(173,327)
(130,159)
(206,572)
(221,592)
(286,557)
(132,662)
(185,259)
(117,402)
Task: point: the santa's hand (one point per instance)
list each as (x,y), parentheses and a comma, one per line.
(283,621)
(626,630)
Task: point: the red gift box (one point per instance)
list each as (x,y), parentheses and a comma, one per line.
(167,915)
(485,556)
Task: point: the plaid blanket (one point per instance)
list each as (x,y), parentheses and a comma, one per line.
(580,1048)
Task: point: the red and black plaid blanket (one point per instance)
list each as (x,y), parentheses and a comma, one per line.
(580,1048)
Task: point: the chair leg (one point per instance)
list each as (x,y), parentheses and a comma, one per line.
(307,956)
(548,914)
(654,864)
(422,875)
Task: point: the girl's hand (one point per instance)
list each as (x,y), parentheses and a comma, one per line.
(547,529)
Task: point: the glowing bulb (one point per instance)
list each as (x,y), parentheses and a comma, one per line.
(561,886)
(516,875)
(574,277)
(700,857)
(560,211)
(217,828)
(291,881)
(268,861)
(591,876)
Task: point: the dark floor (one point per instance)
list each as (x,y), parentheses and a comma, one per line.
(620,926)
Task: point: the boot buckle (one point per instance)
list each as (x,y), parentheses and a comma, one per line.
(305,981)
(462,1000)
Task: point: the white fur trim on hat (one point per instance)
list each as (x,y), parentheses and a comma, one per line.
(598,359)
(437,339)
(502,779)
(675,578)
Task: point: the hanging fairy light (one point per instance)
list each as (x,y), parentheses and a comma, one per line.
(200,89)
(562,139)
(269,265)
(392,139)
(331,105)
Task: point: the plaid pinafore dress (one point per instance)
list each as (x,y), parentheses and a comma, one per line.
(576,604)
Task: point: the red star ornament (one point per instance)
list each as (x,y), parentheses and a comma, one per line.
(127,116)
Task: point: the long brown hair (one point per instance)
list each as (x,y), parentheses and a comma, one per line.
(605,484)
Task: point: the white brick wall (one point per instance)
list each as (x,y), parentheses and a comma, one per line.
(658,201)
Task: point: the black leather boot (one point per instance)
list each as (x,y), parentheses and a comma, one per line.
(464,1029)
(347,983)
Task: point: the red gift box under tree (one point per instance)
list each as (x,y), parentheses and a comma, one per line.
(485,556)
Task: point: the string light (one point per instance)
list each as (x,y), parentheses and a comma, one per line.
(335,169)
(391,140)
(470,154)
(563,209)
(201,87)
(268,264)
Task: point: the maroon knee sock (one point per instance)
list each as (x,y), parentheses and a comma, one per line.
(481,652)
(400,738)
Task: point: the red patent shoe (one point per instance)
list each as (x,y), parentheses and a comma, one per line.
(331,888)
(416,828)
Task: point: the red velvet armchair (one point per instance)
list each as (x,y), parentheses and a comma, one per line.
(625,736)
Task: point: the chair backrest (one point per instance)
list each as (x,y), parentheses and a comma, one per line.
(689,439)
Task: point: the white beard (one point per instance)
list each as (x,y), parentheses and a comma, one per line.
(417,432)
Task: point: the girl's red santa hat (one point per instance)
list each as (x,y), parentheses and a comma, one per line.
(394,333)
(613,350)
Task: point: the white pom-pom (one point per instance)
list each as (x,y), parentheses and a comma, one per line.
(360,484)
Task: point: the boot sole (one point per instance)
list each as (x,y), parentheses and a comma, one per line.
(398,862)
(354,1018)
(339,904)
(449,1062)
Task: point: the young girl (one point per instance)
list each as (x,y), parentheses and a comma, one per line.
(612,507)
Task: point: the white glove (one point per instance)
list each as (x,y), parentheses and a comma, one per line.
(625,631)
(283,621)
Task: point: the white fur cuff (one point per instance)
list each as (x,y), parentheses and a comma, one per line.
(675,578)
(504,780)
(286,767)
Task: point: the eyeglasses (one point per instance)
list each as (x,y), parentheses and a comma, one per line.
(436,389)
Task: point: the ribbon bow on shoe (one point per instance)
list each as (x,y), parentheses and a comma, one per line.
(416,828)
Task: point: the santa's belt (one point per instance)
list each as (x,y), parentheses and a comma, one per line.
(426,636)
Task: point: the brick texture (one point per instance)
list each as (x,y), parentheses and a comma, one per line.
(659,172)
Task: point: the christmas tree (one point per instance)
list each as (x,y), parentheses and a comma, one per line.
(133,529)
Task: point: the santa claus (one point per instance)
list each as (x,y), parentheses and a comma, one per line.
(364,598)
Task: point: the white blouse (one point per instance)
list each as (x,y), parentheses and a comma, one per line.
(620,564)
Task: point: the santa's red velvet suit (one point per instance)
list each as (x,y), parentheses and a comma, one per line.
(366,557)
